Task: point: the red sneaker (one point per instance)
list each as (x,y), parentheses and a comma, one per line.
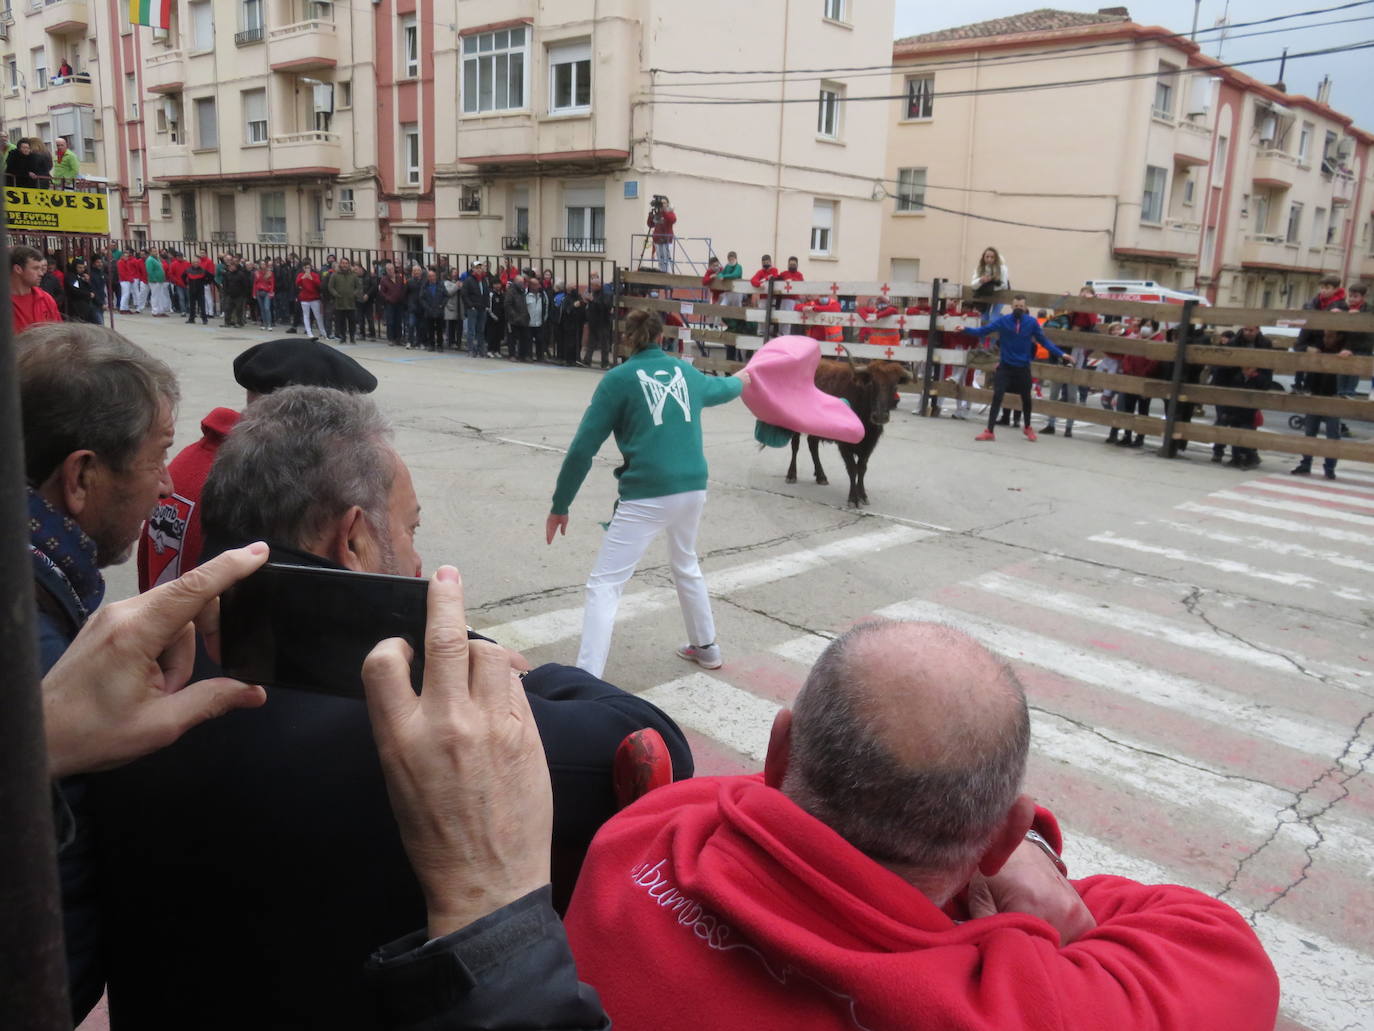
(986,435)
(1030,434)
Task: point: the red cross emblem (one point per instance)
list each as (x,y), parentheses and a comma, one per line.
(834,288)
(901,322)
(839,350)
(884,290)
(851,318)
(787,286)
(889,352)
(806,314)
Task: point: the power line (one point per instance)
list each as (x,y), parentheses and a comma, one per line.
(676,100)
(990,60)
(1095,50)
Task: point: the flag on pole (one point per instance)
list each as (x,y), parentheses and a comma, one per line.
(156,13)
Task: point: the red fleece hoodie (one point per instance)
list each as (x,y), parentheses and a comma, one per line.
(171,540)
(717,903)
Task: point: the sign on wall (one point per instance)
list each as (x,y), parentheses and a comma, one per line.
(56,211)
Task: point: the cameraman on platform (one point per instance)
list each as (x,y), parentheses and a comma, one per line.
(660,222)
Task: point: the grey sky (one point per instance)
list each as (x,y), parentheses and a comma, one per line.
(1352,74)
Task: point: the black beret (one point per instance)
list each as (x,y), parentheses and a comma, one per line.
(274,364)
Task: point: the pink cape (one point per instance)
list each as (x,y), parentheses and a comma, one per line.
(782,392)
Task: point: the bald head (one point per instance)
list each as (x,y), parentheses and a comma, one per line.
(910,741)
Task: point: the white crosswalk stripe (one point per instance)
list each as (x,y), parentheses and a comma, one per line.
(1255,519)
(1274,487)
(1296,507)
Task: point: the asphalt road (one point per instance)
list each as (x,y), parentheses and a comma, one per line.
(1196,642)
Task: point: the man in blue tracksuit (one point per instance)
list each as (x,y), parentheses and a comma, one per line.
(1018,333)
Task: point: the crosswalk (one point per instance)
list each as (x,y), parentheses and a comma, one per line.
(1208,728)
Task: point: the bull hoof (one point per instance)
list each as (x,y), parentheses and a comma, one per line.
(822,481)
(791,479)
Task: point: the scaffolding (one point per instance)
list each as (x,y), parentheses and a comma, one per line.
(690,254)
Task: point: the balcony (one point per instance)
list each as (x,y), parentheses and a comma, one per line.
(72,89)
(1275,168)
(1192,144)
(169,162)
(1180,236)
(317,151)
(165,72)
(304,46)
(62,17)
(224,236)
(248,37)
(1342,188)
(578,245)
(1264,250)
(518,244)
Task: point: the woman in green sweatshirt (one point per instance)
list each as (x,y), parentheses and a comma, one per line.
(652,403)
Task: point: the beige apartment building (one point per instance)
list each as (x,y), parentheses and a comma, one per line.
(539,127)
(1150,161)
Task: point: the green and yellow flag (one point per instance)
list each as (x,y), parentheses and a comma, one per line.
(157,13)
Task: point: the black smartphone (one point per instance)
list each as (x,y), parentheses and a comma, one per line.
(310,628)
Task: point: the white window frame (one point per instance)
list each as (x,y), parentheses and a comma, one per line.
(38,57)
(1154,214)
(829,111)
(411,148)
(199,45)
(347,203)
(1293,233)
(254,129)
(577,56)
(197,106)
(345,94)
(920,93)
(911,191)
(248,22)
(1219,163)
(1305,142)
(131,94)
(1165,98)
(823,212)
(136,172)
(483,47)
(263,214)
(836,10)
(585,203)
(1319,228)
(1189,189)
(1262,207)
(409,37)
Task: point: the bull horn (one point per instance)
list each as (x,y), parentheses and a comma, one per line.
(848,357)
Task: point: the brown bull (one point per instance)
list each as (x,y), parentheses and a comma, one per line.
(871,390)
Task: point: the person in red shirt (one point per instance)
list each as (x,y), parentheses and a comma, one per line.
(885,871)
(660,222)
(308,284)
(138,272)
(877,308)
(176,275)
(829,305)
(29,302)
(766,272)
(171,541)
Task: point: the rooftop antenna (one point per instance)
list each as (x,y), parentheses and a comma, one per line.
(1283,65)
(1197,7)
(1223,23)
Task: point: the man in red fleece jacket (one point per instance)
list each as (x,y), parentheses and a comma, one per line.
(884,872)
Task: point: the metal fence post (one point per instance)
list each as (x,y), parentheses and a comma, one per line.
(932,342)
(617,288)
(33,988)
(768,314)
(1185,329)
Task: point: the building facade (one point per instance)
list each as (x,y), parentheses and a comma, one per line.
(1085,146)
(488,126)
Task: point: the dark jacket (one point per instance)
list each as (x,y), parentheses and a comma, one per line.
(272,827)
(19,166)
(431,301)
(100,287)
(476,292)
(413,288)
(1233,376)
(391,291)
(517,312)
(80,297)
(511,969)
(284,279)
(344,289)
(238,283)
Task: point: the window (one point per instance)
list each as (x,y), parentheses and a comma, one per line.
(570,77)
(131,95)
(470,200)
(1189,189)
(1152,205)
(1319,227)
(1294,222)
(494,71)
(136,171)
(906,270)
(346,201)
(835,10)
(410,47)
(322,103)
(273,215)
(520,212)
(1261,214)
(251,18)
(920,96)
(410,152)
(202,25)
(40,67)
(911,189)
(166,205)
(255,115)
(1333,231)
(822,227)
(12,74)
(345,94)
(316,213)
(828,111)
(1219,165)
(207,124)
(1305,142)
(584,208)
(1164,90)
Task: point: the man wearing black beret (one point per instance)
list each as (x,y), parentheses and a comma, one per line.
(171,540)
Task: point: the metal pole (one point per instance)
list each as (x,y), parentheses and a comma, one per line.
(617,287)
(33,989)
(932,342)
(768,313)
(1184,331)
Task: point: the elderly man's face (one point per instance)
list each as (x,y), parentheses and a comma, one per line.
(396,554)
(120,500)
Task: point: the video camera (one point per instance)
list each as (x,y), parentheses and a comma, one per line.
(658,203)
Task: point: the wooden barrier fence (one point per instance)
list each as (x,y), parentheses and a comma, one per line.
(921,335)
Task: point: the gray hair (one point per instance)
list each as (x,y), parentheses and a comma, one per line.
(85,387)
(936,818)
(299,459)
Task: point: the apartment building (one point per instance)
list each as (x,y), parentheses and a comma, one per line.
(1086,146)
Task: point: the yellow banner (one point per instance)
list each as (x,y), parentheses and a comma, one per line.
(56,211)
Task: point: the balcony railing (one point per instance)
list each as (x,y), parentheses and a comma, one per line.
(250,36)
(272,238)
(579,244)
(516,243)
(314,239)
(224,236)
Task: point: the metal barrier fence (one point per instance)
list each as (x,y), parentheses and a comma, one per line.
(929,311)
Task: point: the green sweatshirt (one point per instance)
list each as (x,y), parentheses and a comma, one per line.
(653,404)
(156,273)
(732,271)
(68,167)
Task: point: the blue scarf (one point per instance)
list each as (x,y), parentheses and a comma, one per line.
(60,546)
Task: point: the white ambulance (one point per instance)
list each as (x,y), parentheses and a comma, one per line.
(1141,290)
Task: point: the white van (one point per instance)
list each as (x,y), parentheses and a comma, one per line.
(1141,290)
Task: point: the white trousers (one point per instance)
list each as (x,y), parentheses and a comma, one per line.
(128,296)
(633,527)
(307,308)
(140,295)
(162,298)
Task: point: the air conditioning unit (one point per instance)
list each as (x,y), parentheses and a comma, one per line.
(1269,127)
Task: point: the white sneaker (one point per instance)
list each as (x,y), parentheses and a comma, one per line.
(707,657)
